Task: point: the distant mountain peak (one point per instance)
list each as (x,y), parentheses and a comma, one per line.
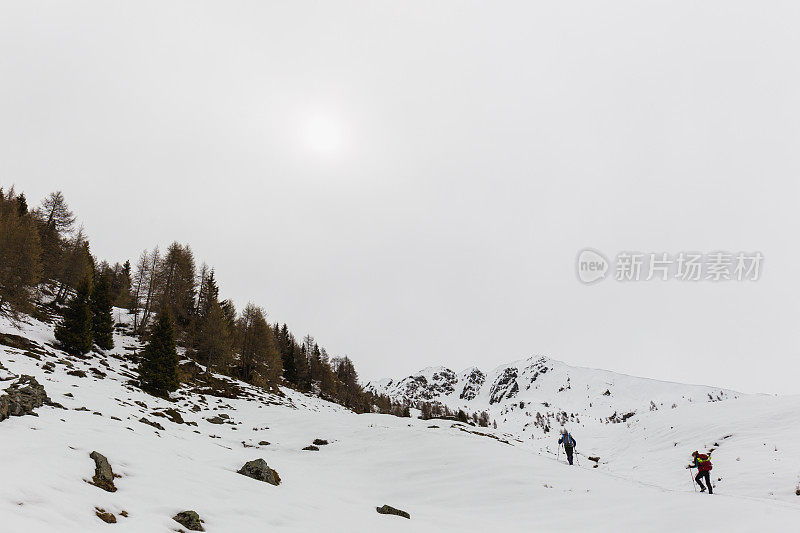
(518,392)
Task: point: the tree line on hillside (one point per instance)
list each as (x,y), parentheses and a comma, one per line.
(47,269)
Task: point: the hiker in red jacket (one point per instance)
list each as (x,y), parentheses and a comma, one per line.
(703,464)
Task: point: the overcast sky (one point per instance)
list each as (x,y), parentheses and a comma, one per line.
(411,182)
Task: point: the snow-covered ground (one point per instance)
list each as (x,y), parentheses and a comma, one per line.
(449,477)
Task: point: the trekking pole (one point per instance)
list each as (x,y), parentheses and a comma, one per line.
(694,484)
(558,457)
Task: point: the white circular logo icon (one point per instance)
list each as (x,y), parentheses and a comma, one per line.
(592,266)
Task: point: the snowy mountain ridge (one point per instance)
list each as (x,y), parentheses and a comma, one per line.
(545,385)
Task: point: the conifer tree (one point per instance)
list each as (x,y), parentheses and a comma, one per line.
(176,285)
(158,369)
(259,360)
(75,263)
(74,333)
(20,252)
(120,284)
(55,224)
(286,347)
(102,318)
(302,368)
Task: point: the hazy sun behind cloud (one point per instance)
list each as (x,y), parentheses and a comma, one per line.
(324,134)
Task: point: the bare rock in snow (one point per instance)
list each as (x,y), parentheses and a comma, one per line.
(311,448)
(103,475)
(6,374)
(22,397)
(173,415)
(388,509)
(190,520)
(156,425)
(320,442)
(259,470)
(219,419)
(105,516)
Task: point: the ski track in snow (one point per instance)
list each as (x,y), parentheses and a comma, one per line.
(448,479)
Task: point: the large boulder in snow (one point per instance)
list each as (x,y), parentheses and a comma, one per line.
(103,475)
(190,520)
(22,397)
(258,469)
(388,509)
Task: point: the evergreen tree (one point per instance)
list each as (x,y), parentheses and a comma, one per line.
(102,318)
(176,285)
(286,347)
(214,343)
(158,369)
(302,368)
(74,333)
(22,205)
(259,360)
(120,284)
(75,263)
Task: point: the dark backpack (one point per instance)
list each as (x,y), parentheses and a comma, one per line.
(704,463)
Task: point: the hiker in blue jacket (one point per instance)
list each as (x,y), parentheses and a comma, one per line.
(568,442)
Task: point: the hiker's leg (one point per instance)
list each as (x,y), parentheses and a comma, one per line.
(699,479)
(708,482)
(569,455)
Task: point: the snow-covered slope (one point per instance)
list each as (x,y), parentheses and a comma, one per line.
(514,394)
(448,476)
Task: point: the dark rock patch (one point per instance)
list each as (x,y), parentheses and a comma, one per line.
(156,425)
(259,470)
(21,343)
(311,448)
(190,520)
(22,397)
(103,475)
(106,517)
(320,442)
(170,414)
(388,509)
